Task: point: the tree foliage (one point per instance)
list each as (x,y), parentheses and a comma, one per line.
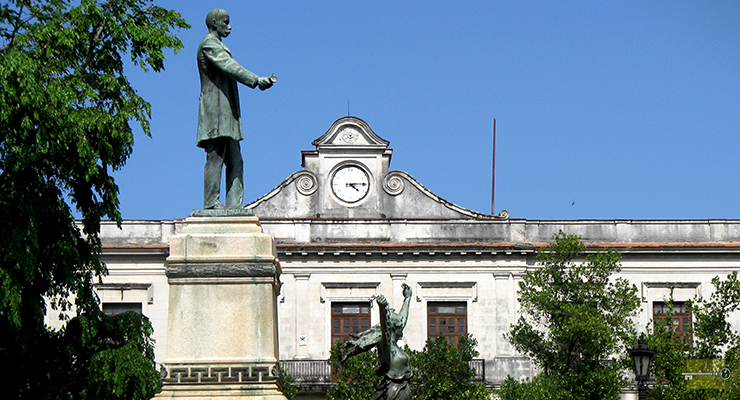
(713,334)
(355,378)
(542,387)
(713,339)
(670,360)
(576,321)
(65,113)
(102,357)
(441,372)
(290,388)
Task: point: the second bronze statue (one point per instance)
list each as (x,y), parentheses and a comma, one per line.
(394,362)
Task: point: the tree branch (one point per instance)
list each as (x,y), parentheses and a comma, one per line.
(15,28)
(93,42)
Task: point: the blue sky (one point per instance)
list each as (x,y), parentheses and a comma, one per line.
(605,110)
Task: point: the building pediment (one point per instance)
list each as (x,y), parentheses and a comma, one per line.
(347,177)
(350,133)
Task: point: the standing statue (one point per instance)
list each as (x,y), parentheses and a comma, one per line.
(394,362)
(219,116)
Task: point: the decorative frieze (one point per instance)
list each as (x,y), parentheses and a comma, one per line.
(221,270)
(201,374)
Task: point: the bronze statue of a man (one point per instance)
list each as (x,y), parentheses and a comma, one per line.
(219,116)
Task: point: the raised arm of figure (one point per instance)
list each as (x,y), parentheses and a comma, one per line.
(404,312)
(385,327)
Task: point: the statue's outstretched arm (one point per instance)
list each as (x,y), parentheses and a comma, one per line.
(385,326)
(404,312)
(362,342)
(219,57)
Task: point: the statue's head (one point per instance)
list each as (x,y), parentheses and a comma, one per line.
(217,20)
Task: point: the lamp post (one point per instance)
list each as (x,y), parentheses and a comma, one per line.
(642,357)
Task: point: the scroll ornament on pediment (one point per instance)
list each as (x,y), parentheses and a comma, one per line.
(393,184)
(306,183)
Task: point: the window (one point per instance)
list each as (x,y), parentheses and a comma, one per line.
(348,318)
(447,319)
(681,323)
(112,309)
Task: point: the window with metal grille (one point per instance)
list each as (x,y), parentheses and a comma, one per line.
(681,320)
(348,318)
(112,309)
(448,319)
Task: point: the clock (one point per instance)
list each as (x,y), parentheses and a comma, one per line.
(350,183)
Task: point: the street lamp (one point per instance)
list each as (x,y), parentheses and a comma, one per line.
(642,356)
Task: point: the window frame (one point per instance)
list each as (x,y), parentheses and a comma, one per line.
(682,319)
(348,323)
(436,320)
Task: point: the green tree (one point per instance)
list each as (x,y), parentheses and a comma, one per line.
(65,113)
(290,388)
(670,360)
(98,357)
(713,334)
(576,317)
(442,371)
(542,387)
(355,378)
(713,338)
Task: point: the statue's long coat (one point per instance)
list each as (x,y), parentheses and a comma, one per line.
(219,113)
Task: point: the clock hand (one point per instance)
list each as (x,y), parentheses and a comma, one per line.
(352,185)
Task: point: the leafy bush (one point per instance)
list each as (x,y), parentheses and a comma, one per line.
(441,372)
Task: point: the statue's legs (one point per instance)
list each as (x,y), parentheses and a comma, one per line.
(234,175)
(223,151)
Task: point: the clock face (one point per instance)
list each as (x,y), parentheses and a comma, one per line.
(350,183)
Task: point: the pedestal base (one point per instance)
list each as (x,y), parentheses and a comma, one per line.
(248,380)
(223,274)
(220,393)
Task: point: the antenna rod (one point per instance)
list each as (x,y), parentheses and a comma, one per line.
(493,170)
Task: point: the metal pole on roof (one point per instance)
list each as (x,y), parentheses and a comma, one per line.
(493,170)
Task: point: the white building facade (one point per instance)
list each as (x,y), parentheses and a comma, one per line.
(348,228)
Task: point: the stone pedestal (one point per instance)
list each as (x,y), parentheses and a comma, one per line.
(223,275)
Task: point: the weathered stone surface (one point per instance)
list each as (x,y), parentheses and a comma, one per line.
(223,212)
(222,320)
(222,340)
(518,367)
(220,224)
(300,230)
(221,240)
